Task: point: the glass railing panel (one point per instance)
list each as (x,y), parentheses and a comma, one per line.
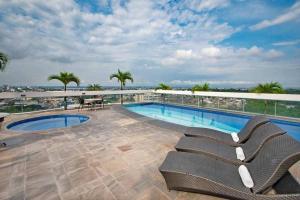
(31,104)
(130,98)
(260,106)
(231,104)
(278,108)
(190,101)
(288,109)
(209,102)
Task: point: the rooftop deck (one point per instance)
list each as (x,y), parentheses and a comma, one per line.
(115,155)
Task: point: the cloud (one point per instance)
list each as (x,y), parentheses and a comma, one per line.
(210,4)
(286,43)
(157,41)
(184,54)
(171,61)
(211,51)
(273,54)
(212,82)
(291,14)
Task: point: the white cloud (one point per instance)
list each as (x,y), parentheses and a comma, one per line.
(253,51)
(211,51)
(291,14)
(213,82)
(210,4)
(184,54)
(287,43)
(273,54)
(45,37)
(171,61)
(213,54)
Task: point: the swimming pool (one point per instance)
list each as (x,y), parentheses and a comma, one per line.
(197,117)
(47,122)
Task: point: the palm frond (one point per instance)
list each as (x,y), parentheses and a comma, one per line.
(94,87)
(122,77)
(163,86)
(3,61)
(198,87)
(73,78)
(114,76)
(54,77)
(65,78)
(272,87)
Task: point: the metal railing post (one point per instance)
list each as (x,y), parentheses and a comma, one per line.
(198,102)
(23,98)
(218,102)
(182,99)
(243,104)
(275,108)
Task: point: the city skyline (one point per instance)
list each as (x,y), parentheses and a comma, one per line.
(227,43)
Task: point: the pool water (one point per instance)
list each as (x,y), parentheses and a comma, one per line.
(47,122)
(195,117)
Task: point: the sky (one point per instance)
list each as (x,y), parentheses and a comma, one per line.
(227,43)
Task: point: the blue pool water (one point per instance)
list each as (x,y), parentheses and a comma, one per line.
(47,122)
(194,117)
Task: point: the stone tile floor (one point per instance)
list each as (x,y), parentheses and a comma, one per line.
(112,156)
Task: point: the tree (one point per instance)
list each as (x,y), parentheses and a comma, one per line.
(198,87)
(122,77)
(205,87)
(94,87)
(272,87)
(65,78)
(3,61)
(163,86)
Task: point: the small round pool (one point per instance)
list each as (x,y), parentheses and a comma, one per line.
(47,122)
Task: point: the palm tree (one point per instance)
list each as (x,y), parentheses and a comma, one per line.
(122,77)
(198,87)
(65,78)
(163,86)
(94,87)
(272,87)
(3,61)
(205,87)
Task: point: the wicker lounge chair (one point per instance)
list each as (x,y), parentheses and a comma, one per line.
(204,174)
(237,155)
(219,136)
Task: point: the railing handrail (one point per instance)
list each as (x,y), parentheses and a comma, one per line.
(68,93)
(236,95)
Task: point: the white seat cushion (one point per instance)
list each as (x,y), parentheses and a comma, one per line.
(235,137)
(245,176)
(240,153)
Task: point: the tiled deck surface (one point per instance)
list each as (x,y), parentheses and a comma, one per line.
(112,156)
